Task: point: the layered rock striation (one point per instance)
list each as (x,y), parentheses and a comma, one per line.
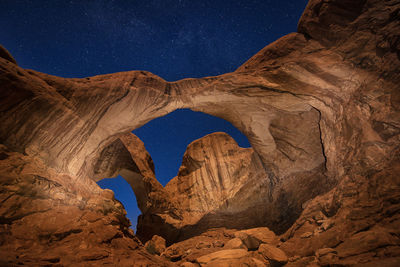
(320,107)
(220,184)
(127,156)
(214,171)
(49,219)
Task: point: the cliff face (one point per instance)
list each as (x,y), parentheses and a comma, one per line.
(213,171)
(220,184)
(321,109)
(128,157)
(49,219)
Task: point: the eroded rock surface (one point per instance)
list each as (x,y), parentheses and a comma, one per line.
(128,157)
(156,245)
(211,248)
(6,55)
(214,172)
(46,219)
(357,221)
(320,107)
(220,184)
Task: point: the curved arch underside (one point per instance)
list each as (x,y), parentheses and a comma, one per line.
(318,106)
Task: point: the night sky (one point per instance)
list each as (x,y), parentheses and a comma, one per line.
(174,39)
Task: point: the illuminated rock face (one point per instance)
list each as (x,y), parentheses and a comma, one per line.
(321,109)
(49,219)
(223,185)
(214,170)
(128,156)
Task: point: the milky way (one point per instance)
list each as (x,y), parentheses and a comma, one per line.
(173,39)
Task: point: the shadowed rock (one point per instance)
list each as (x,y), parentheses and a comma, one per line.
(6,55)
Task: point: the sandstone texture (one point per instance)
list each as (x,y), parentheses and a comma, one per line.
(6,55)
(48,219)
(156,245)
(214,188)
(235,243)
(273,254)
(253,238)
(214,248)
(320,107)
(211,248)
(127,156)
(227,257)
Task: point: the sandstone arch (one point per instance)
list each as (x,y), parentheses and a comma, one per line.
(87,115)
(129,100)
(336,81)
(298,146)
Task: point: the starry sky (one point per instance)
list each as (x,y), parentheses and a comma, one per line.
(174,39)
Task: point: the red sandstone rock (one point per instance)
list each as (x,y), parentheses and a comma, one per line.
(273,254)
(6,55)
(156,245)
(47,220)
(253,238)
(235,243)
(321,109)
(229,258)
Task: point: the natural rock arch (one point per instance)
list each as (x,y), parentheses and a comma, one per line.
(336,81)
(288,109)
(87,115)
(290,129)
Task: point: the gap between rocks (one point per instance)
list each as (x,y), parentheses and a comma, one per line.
(219,181)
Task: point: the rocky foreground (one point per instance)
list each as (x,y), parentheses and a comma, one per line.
(320,185)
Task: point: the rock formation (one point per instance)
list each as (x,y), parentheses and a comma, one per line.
(320,107)
(128,156)
(222,185)
(213,248)
(214,172)
(49,219)
(6,55)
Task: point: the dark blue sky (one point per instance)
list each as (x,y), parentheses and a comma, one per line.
(166,138)
(174,39)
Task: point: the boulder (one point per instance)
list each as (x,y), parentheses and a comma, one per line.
(235,243)
(323,251)
(229,258)
(252,238)
(156,245)
(273,254)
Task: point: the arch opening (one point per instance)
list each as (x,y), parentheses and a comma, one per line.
(121,168)
(166,138)
(124,193)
